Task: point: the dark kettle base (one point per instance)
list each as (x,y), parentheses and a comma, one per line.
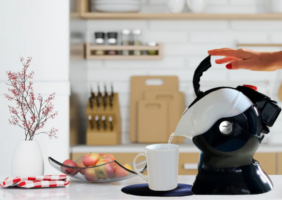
(248,179)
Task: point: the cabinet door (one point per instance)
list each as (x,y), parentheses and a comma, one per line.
(188,163)
(267,162)
(279,163)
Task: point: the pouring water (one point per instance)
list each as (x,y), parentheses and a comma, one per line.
(170,139)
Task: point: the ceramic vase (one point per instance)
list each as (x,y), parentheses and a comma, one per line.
(27,160)
(197,6)
(176,6)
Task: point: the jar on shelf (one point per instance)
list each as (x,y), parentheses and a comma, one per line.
(137,41)
(152,52)
(99,40)
(112,40)
(125,40)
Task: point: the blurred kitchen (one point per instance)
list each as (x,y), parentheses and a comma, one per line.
(122,70)
(141,56)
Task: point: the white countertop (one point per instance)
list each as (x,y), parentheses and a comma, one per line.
(137,148)
(84,191)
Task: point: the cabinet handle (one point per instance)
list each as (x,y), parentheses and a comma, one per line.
(190,166)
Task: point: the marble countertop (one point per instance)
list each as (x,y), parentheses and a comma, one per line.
(78,190)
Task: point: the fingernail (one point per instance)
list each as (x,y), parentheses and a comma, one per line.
(229,66)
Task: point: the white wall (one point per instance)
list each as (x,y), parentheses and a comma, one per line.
(186,43)
(39,29)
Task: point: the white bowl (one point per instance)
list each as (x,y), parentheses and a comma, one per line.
(197,6)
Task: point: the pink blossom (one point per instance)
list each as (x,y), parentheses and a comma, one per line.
(30,113)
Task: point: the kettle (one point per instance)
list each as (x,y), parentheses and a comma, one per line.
(227,125)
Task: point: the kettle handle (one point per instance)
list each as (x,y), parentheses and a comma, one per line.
(203,66)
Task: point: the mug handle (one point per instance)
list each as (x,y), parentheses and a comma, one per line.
(135,168)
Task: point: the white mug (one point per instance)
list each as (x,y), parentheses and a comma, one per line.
(162,166)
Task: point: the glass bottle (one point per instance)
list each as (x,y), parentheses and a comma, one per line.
(99,40)
(125,40)
(112,40)
(152,52)
(137,41)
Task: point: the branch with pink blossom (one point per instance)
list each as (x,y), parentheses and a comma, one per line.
(30,113)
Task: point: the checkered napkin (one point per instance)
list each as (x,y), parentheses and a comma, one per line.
(36,181)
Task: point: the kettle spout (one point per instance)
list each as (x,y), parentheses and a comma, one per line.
(184,128)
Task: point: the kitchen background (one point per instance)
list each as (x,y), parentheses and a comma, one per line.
(185,44)
(29,30)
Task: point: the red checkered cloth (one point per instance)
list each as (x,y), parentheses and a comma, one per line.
(36,181)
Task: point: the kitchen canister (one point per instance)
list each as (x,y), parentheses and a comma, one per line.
(176,6)
(196,6)
(27,160)
(276,6)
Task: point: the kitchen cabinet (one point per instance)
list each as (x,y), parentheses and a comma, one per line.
(187,161)
(279,163)
(267,161)
(270,157)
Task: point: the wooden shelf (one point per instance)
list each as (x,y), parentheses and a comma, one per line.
(84,12)
(258,45)
(180,16)
(74,15)
(90,48)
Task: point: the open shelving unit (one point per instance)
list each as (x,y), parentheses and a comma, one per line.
(85,13)
(89,51)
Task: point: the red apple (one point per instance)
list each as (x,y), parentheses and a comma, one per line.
(102,154)
(90,159)
(120,172)
(71,171)
(104,171)
(110,157)
(82,171)
(91,175)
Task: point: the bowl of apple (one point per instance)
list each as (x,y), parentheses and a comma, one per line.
(97,168)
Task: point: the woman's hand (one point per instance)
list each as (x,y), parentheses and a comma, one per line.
(248,59)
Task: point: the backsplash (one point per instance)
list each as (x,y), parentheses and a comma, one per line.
(186,43)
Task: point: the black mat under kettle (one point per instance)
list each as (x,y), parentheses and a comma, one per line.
(143,190)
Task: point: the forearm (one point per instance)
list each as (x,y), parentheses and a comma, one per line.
(277,59)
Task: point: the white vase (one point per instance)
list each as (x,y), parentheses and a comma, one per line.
(28,160)
(176,6)
(197,6)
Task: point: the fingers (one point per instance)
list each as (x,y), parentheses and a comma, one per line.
(239,64)
(236,53)
(225,60)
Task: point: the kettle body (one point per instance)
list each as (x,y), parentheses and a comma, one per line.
(227,125)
